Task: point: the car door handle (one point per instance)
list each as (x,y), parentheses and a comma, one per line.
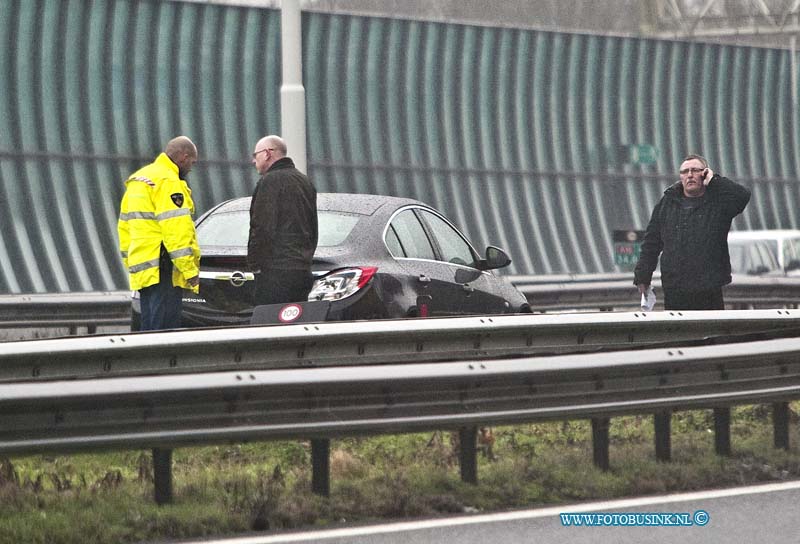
(467,287)
(424,279)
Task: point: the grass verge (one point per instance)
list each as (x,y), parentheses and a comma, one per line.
(225,490)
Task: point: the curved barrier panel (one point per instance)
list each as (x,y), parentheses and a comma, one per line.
(543,143)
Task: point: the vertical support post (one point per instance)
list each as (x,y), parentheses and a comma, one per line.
(722,431)
(780,424)
(663,429)
(793,73)
(649,16)
(468,454)
(162,475)
(293,94)
(321,466)
(600,442)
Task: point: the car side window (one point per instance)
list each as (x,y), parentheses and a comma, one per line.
(393,243)
(411,236)
(765,260)
(791,258)
(455,249)
(737,256)
(790,250)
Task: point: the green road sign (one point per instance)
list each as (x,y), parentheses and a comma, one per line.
(627,246)
(643,154)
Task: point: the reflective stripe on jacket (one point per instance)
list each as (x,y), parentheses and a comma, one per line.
(156,210)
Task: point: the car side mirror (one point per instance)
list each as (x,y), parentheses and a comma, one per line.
(495,258)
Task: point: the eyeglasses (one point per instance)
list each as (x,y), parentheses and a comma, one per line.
(690,171)
(261,150)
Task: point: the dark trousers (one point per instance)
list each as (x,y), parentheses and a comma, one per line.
(161,303)
(279,286)
(693,300)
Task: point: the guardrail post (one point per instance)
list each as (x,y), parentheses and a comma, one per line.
(663,429)
(321,466)
(722,431)
(600,442)
(468,454)
(780,424)
(162,475)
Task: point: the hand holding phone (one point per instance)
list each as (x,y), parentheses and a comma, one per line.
(707,175)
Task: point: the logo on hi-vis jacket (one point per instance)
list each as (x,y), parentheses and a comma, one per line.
(177,198)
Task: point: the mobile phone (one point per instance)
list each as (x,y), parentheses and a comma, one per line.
(705,172)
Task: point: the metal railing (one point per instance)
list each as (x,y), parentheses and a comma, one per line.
(167,389)
(203,407)
(66,310)
(554,293)
(372,342)
(613,292)
(41,381)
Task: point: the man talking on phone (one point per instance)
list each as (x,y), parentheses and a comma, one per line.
(688,229)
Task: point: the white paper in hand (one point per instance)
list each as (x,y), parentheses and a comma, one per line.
(648,299)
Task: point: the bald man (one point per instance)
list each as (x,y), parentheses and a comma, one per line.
(158,243)
(283,226)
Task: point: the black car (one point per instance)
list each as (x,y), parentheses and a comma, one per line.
(377,257)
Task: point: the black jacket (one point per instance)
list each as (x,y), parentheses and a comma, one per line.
(283,220)
(693,243)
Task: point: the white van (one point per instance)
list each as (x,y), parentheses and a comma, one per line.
(747,245)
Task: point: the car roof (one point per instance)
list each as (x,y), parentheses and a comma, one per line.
(364,204)
(767,234)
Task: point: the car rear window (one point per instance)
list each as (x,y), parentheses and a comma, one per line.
(231,229)
(335,227)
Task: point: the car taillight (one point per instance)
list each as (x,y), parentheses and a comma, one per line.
(342,283)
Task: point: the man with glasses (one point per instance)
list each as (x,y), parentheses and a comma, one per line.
(283,226)
(688,229)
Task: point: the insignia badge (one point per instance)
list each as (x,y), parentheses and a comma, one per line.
(177,198)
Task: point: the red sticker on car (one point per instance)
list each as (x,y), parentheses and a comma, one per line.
(290,313)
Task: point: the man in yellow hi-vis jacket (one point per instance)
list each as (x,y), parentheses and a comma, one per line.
(157,239)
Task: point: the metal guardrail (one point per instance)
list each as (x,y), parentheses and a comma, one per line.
(177,410)
(66,310)
(609,292)
(551,293)
(370,342)
(171,388)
